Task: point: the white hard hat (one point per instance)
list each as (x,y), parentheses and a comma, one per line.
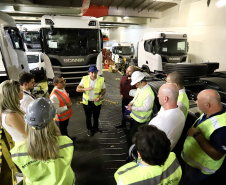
(136,77)
(39,113)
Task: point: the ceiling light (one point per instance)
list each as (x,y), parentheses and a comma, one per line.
(221,3)
(125,17)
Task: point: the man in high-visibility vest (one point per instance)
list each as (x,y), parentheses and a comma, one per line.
(205,146)
(155,164)
(93,88)
(61,101)
(142,103)
(182,101)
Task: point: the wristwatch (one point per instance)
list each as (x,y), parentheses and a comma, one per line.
(196,134)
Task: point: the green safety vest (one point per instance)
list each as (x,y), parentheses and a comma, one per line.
(53,171)
(184,99)
(139,98)
(133,173)
(193,154)
(97,89)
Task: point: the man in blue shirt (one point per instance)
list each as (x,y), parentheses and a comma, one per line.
(205,146)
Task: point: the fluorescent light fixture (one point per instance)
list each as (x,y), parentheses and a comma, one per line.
(7,8)
(221,3)
(126,17)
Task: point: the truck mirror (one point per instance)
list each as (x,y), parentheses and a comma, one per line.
(42,57)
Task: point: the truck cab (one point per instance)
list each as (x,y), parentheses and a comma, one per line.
(71,45)
(13,60)
(122,50)
(158,48)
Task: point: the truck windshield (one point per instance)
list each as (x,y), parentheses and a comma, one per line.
(32,58)
(172,46)
(125,50)
(71,42)
(31,37)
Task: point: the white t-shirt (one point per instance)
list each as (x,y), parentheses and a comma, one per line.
(171,122)
(27,99)
(91,84)
(16,135)
(56,102)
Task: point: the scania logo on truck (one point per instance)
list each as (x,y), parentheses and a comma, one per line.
(174,58)
(68,60)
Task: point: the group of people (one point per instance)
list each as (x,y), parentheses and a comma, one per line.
(155,139)
(39,129)
(43,149)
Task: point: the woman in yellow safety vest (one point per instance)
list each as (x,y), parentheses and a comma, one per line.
(156,164)
(44,157)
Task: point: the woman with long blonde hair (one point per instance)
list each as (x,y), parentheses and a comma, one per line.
(44,157)
(11,115)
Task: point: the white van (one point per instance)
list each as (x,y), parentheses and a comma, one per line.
(36,63)
(13,60)
(158,48)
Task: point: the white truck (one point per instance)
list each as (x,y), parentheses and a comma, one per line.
(122,50)
(158,48)
(70,45)
(13,60)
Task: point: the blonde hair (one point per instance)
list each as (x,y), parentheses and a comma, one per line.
(43,144)
(10,97)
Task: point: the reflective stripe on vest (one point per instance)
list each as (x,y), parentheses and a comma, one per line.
(25,154)
(97,89)
(192,152)
(139,98)
(56,171)
(63,102)
(172,173)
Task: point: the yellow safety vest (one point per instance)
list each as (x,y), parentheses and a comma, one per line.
(184,99)
(97,89)
(53,171)
(139,98)
(193,154)
(169,173)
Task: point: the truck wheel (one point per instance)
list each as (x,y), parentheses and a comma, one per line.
(212,66)
(188,70)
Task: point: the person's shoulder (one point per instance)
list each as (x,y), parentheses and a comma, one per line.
(64,140)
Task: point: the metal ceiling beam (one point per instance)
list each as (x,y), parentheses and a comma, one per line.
(139,4)
(111,3)
(120,4)
(149,4)
(130,4)
(113,11)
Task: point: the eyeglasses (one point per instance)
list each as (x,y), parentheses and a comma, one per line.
(63,81)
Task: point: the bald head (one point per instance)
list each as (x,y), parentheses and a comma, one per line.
(168,94)
(209,101)
(129,71)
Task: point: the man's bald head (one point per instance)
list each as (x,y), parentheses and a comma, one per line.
(209,101)
(129,71)
(168,93)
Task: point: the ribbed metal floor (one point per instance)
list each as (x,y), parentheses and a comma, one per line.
(97,158)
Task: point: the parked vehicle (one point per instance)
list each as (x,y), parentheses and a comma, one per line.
(71,45)
(13,60)
(36,64)
(32,40)
(158,48)
(122,50)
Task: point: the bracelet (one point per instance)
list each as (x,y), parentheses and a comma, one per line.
(196,134)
